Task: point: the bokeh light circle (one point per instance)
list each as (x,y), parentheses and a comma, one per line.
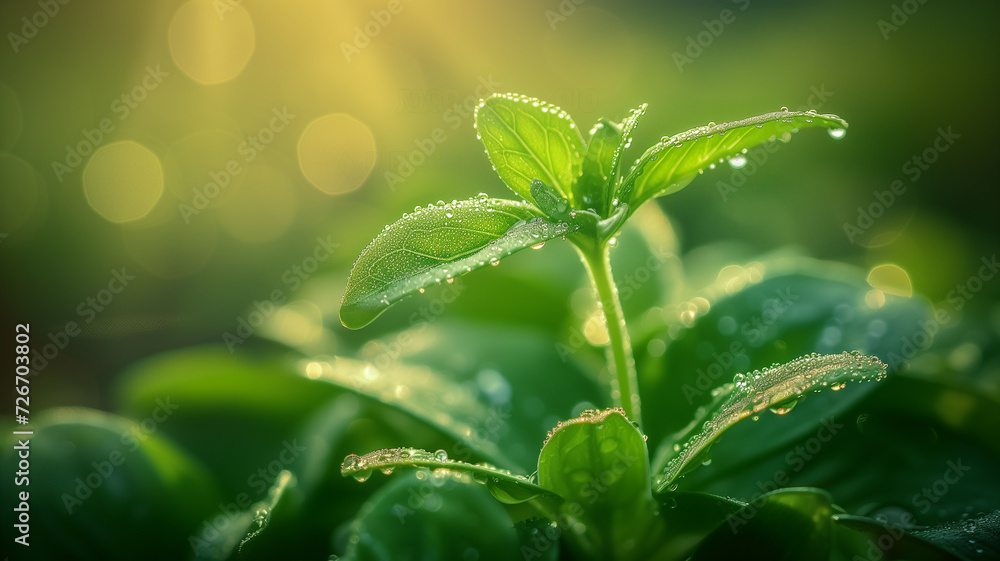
(123,181)
(336,153)
(210,41)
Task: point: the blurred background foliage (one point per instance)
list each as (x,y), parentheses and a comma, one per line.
(355,105)
(327,120)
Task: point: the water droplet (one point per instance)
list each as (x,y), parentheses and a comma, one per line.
(613,242)
(538,245)
(441,456)
(422,290)
(836,133)
(738,161)
(387,471)
(449,280)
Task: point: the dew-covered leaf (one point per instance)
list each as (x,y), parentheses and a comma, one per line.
(530,139)
(672,163)
(437,243)
(776,388)
(418,392)
(602,162)
(243,529)
(598,464)
(858,536)
(432,515)
(505,486)
(787,524)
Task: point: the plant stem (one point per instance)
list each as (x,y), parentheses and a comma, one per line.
(624,382)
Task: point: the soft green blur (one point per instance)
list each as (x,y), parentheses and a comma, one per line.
(321,136)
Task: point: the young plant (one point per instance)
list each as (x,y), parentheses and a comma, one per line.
(596,479)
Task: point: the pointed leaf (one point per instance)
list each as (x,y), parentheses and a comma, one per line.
(437,243)
(776,388)
(503,485)
(593,189)
(529,139)
(671,164)
(859,536)
(787,524)
(598,464)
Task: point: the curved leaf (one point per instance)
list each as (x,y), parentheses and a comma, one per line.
(672,163)
(881,540)
(527,139)
(598,463)
(602,162)
(419,392)
(439,515)
(787,524)
(776,388)
(437,243)
(502,484)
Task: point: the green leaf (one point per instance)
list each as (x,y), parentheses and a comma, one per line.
(598,464)
(242,531)
(598,173)
(787,524)
(503,485)
(776,388)
(105,487)
(420,393)
(858,536)
(529,139)
(688,518)
(439,515)
(437,243)
(668,166)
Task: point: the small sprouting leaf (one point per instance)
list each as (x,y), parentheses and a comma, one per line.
(773,388)
(602,162)
(599,465)
(529,139)
(669,165)
(436,243)
(502,484)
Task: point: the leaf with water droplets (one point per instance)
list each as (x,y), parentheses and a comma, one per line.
(529,139)
(598,172)
(436,243)
(430,515)
(598,463)
(672,163)
(218,543)
(752,393)
(503,485)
